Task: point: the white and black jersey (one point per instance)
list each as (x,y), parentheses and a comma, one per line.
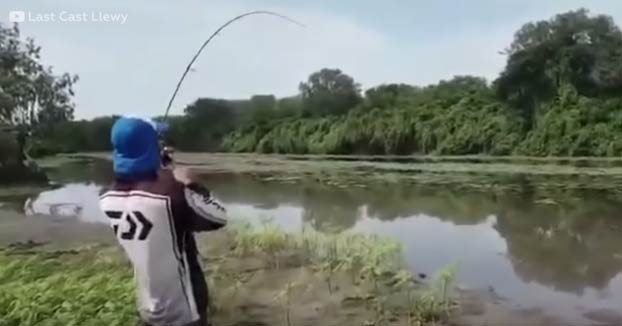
(154,221)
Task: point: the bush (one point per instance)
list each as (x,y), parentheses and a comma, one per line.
(576,126)
(9,149)
(472,125)
(37,148)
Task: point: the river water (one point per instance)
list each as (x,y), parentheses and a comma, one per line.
(562,256)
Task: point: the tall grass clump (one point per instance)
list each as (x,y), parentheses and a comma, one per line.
(365,256)
(372,262)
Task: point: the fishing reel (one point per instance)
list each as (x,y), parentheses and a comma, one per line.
(166,151)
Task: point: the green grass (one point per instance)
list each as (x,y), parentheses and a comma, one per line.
(84,288)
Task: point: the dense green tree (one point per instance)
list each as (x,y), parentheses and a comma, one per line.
(386,96)
(289,107)
(32,98)
(74,136)
(262,109)
(205,123)
(31,95)
(574,125)
(9,148)
(329,92)
(572,48)
(449,92)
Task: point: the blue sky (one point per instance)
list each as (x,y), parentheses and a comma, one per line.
(132,68)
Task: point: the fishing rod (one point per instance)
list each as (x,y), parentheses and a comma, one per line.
(166,152)
(198,53)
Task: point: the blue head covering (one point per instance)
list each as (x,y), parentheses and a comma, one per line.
(136,153)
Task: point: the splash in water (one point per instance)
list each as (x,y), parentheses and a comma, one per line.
(79,201)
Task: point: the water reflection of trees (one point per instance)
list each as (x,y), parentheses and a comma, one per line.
(329,205)
(569,245)
(325,208)
(569,242)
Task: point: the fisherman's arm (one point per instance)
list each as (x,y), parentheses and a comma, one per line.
(207,214)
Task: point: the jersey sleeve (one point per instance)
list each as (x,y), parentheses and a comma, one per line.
(207,214)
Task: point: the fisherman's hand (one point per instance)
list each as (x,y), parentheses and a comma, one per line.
(185,175)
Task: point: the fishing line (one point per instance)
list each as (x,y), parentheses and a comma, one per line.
(198,53)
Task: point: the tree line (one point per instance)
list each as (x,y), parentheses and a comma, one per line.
(560,94)
(32,97)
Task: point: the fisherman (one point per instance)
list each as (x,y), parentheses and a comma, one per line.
(153,213)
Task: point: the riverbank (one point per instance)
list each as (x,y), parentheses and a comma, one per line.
(257,277)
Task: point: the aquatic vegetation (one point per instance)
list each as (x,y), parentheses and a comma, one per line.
(435,302)
(443,286)
(551,177)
